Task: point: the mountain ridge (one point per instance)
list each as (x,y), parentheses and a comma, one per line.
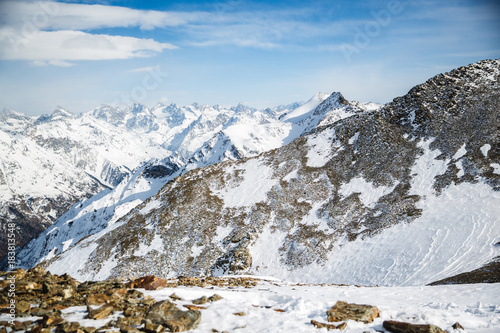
(336,203)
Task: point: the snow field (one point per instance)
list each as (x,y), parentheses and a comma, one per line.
(476,307)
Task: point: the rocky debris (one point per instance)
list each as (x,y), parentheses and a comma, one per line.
(154,283)
(347,311)
(402,327)
(317,324)
(457,326)
(167,314)
(53,293)
(194,307)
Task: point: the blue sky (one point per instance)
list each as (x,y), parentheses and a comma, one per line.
(80,54)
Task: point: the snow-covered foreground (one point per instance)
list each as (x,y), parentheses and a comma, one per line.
(277,306)
(475,307)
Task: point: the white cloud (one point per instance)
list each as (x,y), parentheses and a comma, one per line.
(66,45)
(48,33)
(69,16)
(144,69)
(59,63)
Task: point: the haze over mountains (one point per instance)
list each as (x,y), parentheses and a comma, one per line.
(49,163)
(328,191)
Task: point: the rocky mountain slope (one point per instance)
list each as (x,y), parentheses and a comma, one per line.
(405,195)
(236,133)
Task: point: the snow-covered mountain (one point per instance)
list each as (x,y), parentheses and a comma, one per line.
(52,162)
(403,195)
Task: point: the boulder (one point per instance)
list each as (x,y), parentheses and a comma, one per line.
(167,314)
(101,312)
(402,327)
(347,311)
(317,324)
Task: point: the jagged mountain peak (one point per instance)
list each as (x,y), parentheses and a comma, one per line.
(369,198)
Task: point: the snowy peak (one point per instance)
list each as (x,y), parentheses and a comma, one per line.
(338,204)
(108,114)
(61,113)
(303,111)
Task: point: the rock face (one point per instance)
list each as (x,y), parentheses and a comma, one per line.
(345,311)
(425,167)
(294,209)
(489,273)
(179,139)
(400,327)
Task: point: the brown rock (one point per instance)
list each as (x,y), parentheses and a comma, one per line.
(101,312)
(68,292)
(148,282)
(23,307)
(342,326)
(67,327)
(201,300)
(97,299)
(129,321)
(457,326)
(194,307)
(148,300)
(240,314)
(401,327)
(175,297)
(149,327)
(36,329)
(317,324)
(51,320)
(215,298)
(89,329)
(345,311)
(129,329)
(166,314)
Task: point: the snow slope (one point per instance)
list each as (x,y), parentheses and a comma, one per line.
(375,198)
(232,134)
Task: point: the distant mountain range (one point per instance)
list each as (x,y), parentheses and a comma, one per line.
(51,162)
(328,191)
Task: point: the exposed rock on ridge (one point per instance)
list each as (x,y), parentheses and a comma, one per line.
(295,206)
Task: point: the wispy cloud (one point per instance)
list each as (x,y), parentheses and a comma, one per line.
(144,69)
(50,32)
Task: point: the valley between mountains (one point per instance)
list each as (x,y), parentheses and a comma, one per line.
(309,199)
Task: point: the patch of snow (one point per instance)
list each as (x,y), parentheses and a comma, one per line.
(292,175)
(453,235)
(156,244)
(354,138)
(425,169)
(369,194)
(257,182)
(320,148)
(496,168)
(152,204)
(460,153)
(485,149)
